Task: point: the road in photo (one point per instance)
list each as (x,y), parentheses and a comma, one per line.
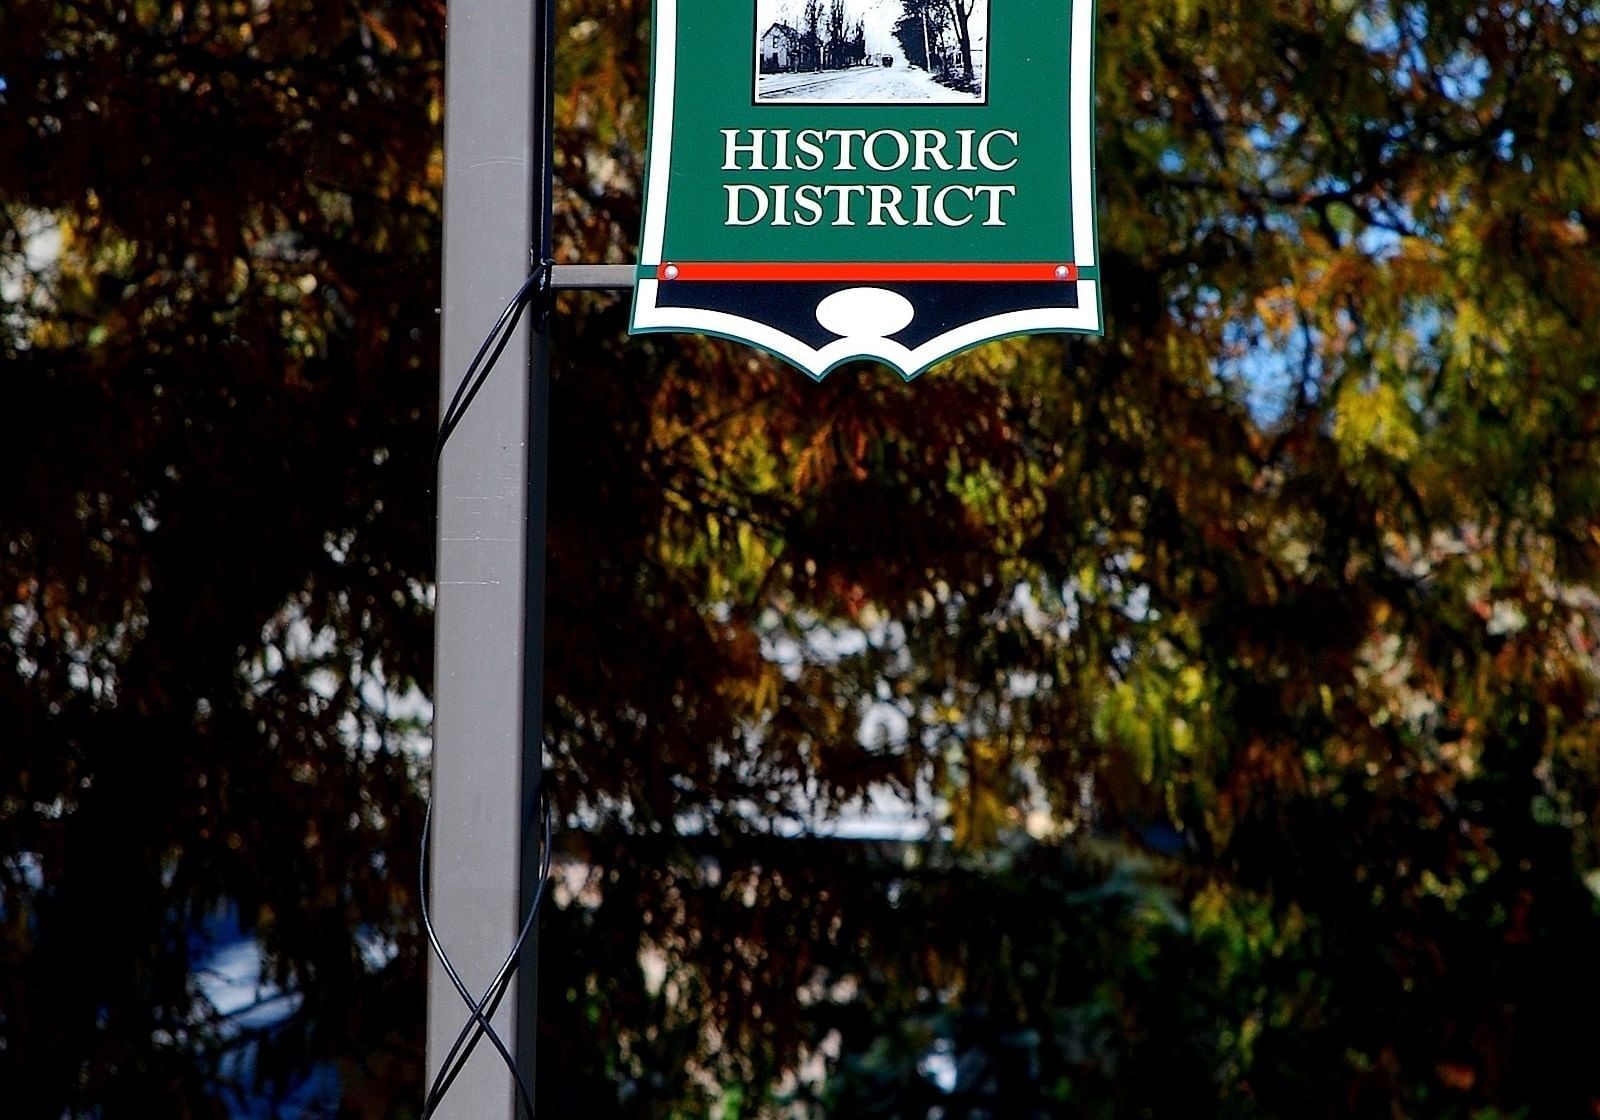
(871,51)
(899,83)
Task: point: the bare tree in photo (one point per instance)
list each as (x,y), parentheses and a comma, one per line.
(960,16)
(919,30)
(836,41)
(812,40)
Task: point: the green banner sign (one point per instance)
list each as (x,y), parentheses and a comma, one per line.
(886,179)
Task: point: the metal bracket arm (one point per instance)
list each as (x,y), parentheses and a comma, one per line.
(593,277)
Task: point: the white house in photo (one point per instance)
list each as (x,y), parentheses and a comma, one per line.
(779,49)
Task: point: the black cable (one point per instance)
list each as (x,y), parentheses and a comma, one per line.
(499,337)
(478,1025)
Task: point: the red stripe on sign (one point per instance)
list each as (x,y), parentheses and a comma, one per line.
(866,273)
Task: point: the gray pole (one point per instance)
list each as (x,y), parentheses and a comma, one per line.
(489,623)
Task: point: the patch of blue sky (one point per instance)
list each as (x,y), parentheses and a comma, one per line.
(1396,33)
(939,1065)
(1400,34)
(21,878)
(1270,376)
(1463,76)
(1376,27)
(1427,323)
(246,1008)
(1379,242)
(1267,144)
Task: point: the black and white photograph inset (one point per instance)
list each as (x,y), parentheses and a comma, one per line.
(871,52)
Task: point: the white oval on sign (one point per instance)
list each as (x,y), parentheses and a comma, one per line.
(869,312)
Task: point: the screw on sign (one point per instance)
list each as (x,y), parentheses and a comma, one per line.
(898,185)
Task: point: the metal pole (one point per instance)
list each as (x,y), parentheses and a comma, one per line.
(541,175)
(489,622)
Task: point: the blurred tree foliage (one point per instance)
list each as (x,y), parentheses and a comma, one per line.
(1243,660)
